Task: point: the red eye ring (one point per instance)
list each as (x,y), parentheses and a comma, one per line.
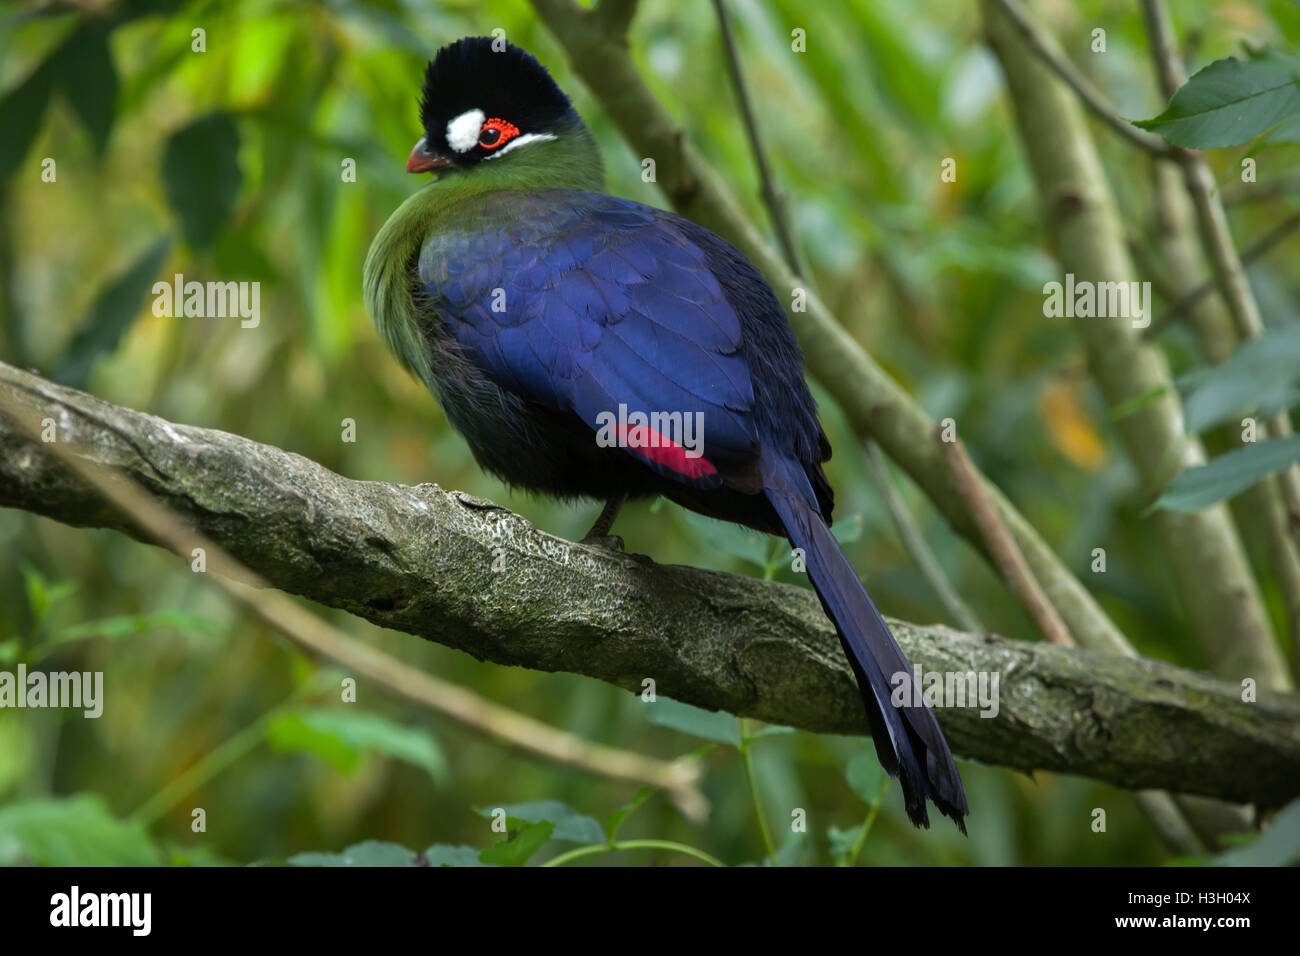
(496,133)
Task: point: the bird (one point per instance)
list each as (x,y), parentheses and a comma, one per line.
(571,337)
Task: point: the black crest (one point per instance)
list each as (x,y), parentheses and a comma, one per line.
(508,83)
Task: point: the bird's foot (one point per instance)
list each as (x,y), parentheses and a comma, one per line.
(605,542)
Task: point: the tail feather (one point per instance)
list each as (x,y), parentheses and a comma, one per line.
(908,740)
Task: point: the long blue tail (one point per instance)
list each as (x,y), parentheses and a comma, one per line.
(908,740)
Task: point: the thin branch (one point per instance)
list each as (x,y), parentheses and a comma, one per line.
(917,547)
(1170,822)
(1259,248)
(1259,192)
(1170,73)
(615,15)
(465,572)
(775,203)
(146,517)
(1091,97)
(1002,546)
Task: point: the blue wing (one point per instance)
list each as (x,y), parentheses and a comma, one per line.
(583,302)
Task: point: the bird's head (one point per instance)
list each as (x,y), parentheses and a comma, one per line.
(486,104)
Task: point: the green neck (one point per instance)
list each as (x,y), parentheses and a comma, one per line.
(570,161)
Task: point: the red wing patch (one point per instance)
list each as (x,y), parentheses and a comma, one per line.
(662,450)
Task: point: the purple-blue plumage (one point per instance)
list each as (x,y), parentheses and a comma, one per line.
(580,303)
(602,301)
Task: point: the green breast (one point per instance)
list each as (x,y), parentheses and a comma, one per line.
(569,162)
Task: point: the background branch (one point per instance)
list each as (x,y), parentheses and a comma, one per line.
(1260,247)
(772,199)
(1261,508)
(1040,42)
(1216,237)
(1009,560)
(916,546)
(422,560)
(1215,583)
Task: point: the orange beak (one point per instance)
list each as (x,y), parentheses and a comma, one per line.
(423,160)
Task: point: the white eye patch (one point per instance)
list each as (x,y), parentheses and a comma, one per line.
(462,132)
(521,141)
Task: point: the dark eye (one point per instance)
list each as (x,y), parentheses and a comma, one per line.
(496,132)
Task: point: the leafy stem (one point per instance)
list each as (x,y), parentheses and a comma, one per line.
(873,808)
(218,759)
(745,741)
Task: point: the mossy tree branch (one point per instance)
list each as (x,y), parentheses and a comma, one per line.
(469,574)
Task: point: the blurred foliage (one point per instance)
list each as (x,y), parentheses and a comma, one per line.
(228,164)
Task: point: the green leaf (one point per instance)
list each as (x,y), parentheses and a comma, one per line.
(201,176)
(616,819)
(713,725)
(1228,103)
(340,735)
(732,539)
(1262,374)
(368,853)
(129,625)
(440,854)
(289,732)
(790,852)
(41,595)
(865,776)
(1138,402)
(521,844)
(1278,845)
(20,116)
(1288,131)
(110,316)
(89,80)
(849,529)
(1228,475)
(71,831)
(771,730)
(842,841)
(177,854)
(569,824)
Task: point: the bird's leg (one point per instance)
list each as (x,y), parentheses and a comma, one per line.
(599,535)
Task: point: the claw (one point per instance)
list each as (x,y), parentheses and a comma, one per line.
(605,542)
